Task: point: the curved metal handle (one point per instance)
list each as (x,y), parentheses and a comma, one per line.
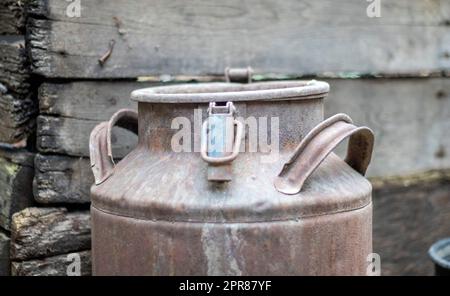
(100,148)
(320,142)
(223,159)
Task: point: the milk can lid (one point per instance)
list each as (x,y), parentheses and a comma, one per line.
(219,91)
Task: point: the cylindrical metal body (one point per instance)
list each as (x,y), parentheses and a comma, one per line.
(156,213)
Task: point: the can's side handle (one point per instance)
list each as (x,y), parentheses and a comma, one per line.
(100,147)
(318,144)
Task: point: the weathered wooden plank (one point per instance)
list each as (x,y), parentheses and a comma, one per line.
(18,107)
(62,179)
(71,136)
(16,177)
(18,118)
(16,112)
(59,265)
(12,16)
(291,37)
(14,68)
(410,117)
(5,262)
(407,221)
(67,130)
(89,100)
(399,12)
(44,232)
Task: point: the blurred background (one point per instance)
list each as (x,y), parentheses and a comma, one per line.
(65,66)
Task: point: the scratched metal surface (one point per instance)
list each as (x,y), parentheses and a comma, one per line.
(335,244)
(157,213)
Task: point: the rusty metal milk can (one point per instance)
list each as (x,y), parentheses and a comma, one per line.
(229,206)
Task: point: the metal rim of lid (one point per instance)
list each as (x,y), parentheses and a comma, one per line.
(219,91)
(436,252)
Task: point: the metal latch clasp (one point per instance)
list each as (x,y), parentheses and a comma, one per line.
(238,74)
(220,140)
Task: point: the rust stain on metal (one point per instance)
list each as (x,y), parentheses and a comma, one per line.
(318,144)
(156,213)
(100,147)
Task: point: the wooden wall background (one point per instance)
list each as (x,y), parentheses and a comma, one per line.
(390,73)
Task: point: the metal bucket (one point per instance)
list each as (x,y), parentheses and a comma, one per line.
(440,254)
(236,210)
